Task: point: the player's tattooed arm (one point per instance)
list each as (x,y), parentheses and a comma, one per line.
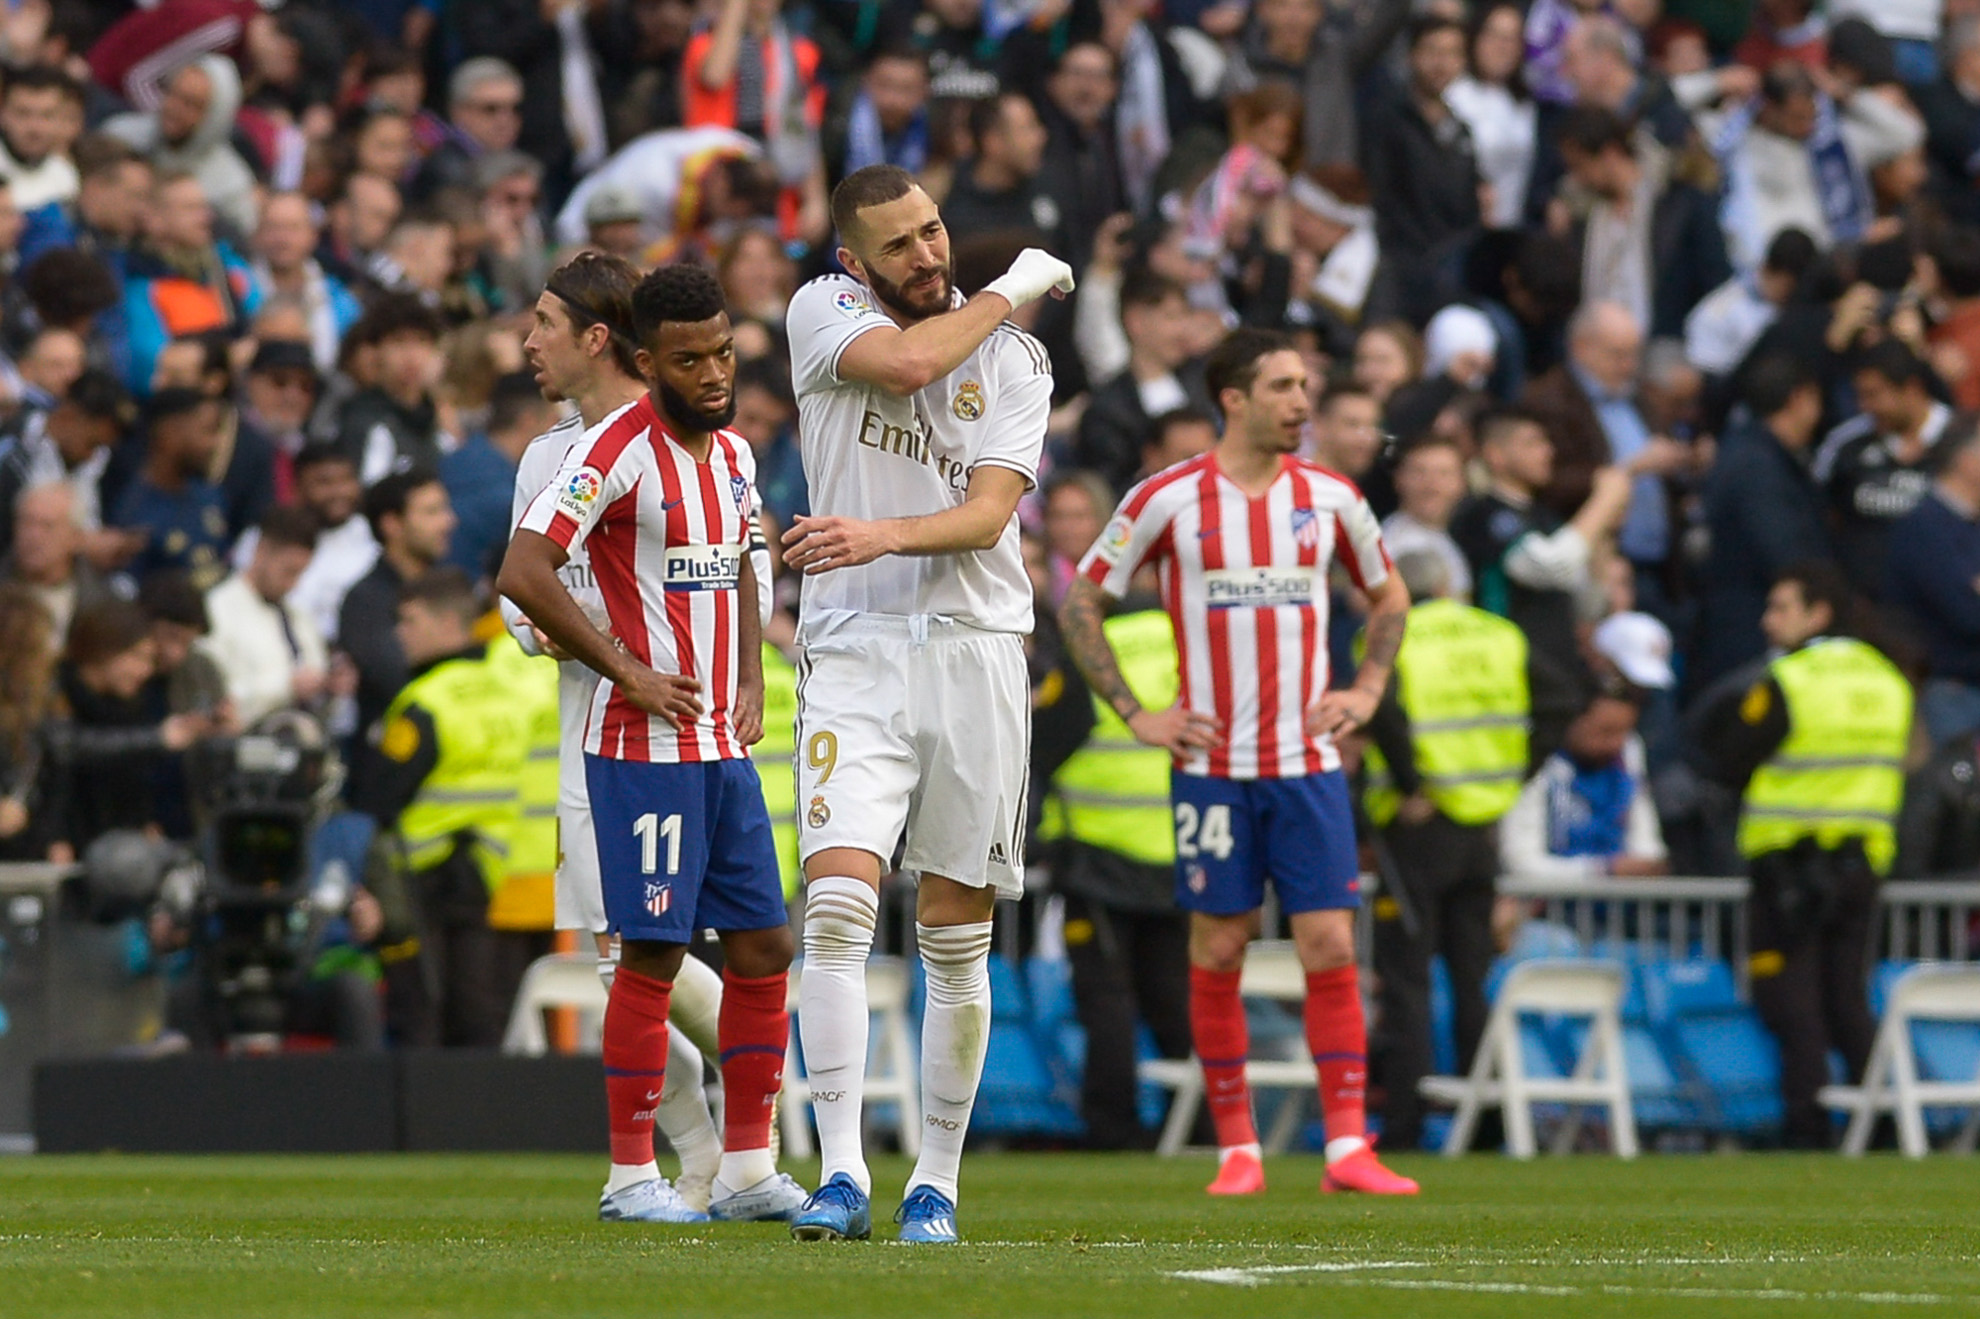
(1082,621)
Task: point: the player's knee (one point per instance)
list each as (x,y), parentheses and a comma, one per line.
(1327,947)
(754,954)
(839,919)
(1219,945)
(655,961)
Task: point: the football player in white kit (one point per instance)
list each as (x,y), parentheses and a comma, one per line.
(921,417)
(581,348)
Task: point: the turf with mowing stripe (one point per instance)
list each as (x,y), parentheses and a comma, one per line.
(1050,1235)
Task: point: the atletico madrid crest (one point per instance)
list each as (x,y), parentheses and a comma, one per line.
(659,899)
(1305,528)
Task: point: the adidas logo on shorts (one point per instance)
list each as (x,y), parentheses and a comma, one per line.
(997,855)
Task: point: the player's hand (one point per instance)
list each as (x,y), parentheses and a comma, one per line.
(546,645)
(816,545)
(669,695)
(1341,712)
(1415,810)
(1035,273)
(746,716)
(1176,730)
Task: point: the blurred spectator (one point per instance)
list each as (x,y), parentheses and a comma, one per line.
(381,141)
(688,184)
(641,66)
(1077,505)
(1159,378)
(1939,833)
(480,476)
(1763,512)
(1493,102)
(188,134)
(1650,242)
(412,523)
(277,395)
(1347,431)
(285,244)
(106,213)
(751,73)
(1730,319)
(1932,583)
(1290,41)
(1588,812)
(327,489)
(360,220)
(1784,30)
(170,504)
(53,362)
(70,444)
(1000,190)
(484,113)
(1081,168)
(45,557)
(1951,109)
(1872,467)
(1910,29)
(27,701)
(766,416)
(757,275)
(887,122)
(136,57)
(179,280)
(1955,262)
(511,192)
(267,647)
(1335,252)
(184,679)
(1176,437)
(1430,485)
(392,424)
(1423,173)
(614,222)
(41,115)
(1388,356)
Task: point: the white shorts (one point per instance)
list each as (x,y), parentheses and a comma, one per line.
(580,889)
(923,725)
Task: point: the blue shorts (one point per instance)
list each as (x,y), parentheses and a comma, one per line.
(683,848)
(1234,834)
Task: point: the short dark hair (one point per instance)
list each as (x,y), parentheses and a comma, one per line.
(986,115)
(685,291)
(43,78)
(67,286)
(97,154)
(1186,415)
(175,402)
(1341,387)
(1496,423)
(1549,270)
(398,313)
(389,496)
(1233,364)
(767,375)
(1792,252)
(105,630)
(872,185)
(1957,255)
(1894,361)
(171,597)
(1785,81)
(596,288)
(96,393)
(321,453)
(1821,583)
(1142,287)
(514,398)
(1593,129)
(1774,381)
(1424,26)
(445,590)
(293,527)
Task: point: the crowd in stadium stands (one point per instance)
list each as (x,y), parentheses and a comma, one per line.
(1618,311)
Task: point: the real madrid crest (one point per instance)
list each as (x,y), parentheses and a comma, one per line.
(969,401)
(819,813)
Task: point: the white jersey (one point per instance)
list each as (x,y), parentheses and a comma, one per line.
(869,454)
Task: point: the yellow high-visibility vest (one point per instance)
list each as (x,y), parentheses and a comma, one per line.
(527,899)
(775,764)
(1113,793)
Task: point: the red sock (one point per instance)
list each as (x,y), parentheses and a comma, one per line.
(1338,1038)
(635,1062)
(1216,1024)
(753,1030)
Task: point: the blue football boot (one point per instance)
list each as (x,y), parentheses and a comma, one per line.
(836,1211)
(927,1218)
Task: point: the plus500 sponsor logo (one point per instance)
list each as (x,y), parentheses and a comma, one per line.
(702,568)
(1257,588)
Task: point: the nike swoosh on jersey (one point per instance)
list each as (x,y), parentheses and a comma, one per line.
(669,505)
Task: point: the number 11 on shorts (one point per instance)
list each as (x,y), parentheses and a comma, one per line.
(650,829)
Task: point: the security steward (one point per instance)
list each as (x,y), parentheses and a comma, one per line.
(1817,743)
(522,911)
(452,747)
(1450,749)
(1125,937)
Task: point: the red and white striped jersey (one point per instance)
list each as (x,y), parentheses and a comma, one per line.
(666,536)
(1245,583)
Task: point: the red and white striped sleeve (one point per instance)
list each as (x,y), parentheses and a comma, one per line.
(597,471)
(1137,533)
(1358,542)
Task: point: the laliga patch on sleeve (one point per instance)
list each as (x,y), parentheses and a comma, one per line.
(1115,538)
(851,304)
(580,492)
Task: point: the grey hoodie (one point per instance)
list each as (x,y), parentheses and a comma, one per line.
(207,155)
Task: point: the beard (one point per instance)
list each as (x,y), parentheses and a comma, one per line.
(919,306)
(691,417)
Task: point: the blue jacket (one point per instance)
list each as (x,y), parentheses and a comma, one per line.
(1930,579)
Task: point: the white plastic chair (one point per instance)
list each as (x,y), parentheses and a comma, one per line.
(1570,987)
(1272,971)
(1928,992)
(559,980)
(891,1071)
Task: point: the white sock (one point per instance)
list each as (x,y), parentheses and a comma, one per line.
(683,1116)
(955,1034)
(742,1169)
(1253,1148)
(630,1174)
(695,1005)
(839,916)
(1342,1146)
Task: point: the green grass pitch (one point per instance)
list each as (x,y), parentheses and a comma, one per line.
(415,1236)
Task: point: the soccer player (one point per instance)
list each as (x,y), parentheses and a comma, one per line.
(660,492)
(922,417)
(1242,539)
(581,346)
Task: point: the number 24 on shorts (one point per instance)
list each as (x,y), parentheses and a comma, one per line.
(1208,831)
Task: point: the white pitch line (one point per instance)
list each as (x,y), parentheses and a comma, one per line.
(1259,1275)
